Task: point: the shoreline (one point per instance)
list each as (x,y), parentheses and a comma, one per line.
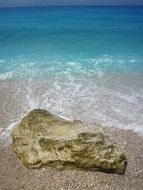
(14,175)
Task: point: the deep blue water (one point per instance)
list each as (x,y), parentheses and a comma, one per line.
(103,38)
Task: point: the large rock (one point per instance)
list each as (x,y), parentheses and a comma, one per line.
(44,139)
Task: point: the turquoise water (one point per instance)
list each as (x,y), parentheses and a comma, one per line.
(79,62)
(106,38)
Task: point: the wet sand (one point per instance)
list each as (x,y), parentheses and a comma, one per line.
(15,176)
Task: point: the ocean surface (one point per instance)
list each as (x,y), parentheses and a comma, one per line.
(81,63)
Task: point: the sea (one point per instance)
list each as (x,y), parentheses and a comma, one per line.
(83,62)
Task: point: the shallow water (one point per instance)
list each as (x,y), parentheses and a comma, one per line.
(81,63)
(111,100)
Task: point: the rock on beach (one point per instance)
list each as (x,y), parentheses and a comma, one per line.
(42,139)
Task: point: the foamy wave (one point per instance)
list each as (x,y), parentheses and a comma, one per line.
(6,76)
(5,134)
(25,67)
(1,61)
(90,99)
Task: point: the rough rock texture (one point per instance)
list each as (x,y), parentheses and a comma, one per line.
(44,139)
